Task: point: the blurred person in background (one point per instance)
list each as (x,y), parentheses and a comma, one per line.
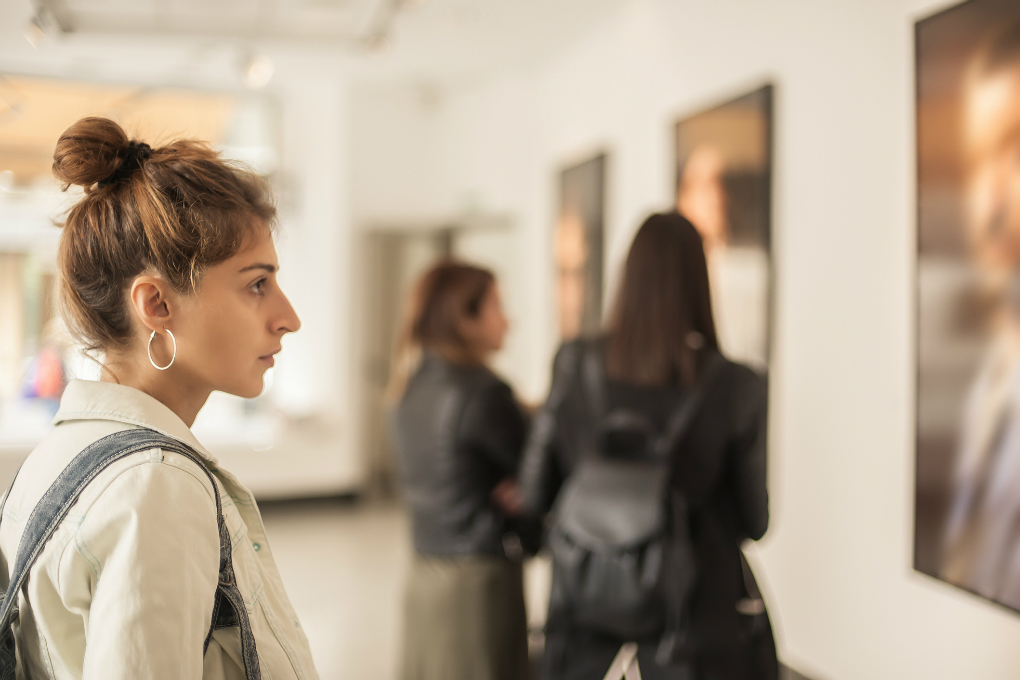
(168,271)
(982,539)
(659,349)
(459,435)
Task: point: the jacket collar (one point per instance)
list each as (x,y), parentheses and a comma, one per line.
(94,400)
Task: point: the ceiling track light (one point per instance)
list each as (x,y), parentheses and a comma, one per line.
(378,37)
(44,25)
(35,32)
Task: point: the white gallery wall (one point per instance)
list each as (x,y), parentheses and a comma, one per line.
(836,562)
(318,454)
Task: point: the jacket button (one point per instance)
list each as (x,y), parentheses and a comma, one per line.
(256,546)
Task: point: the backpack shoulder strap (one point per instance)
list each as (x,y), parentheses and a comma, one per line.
(593,377)
(54,505)
(682,417)
(675,638)
(4,571)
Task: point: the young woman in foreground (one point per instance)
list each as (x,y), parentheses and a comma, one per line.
(168,269)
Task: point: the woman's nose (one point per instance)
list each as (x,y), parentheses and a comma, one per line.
(289,320)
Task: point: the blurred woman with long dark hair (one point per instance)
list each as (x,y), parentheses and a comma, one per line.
(459,435)
(659,348)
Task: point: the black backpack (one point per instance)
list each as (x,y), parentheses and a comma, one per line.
(623,560)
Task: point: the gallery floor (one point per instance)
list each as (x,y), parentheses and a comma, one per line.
(343,563)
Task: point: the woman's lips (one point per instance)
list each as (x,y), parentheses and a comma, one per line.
(268,358)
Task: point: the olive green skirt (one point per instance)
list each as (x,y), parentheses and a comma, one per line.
(464,620)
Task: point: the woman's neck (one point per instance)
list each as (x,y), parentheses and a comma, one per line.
(461,355)
(169,388)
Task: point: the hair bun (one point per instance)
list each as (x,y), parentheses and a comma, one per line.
(89,151)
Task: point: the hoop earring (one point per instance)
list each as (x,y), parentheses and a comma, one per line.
(149,349)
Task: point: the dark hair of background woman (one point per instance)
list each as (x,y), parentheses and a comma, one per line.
(661,321)
(444,296)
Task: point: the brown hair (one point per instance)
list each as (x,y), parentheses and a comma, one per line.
(446,294)
(661,323)
(176,210)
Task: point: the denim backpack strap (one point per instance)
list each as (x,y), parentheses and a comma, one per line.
(8,655)
(4,572)
(51,509)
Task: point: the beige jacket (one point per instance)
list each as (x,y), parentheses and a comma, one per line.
(125,587)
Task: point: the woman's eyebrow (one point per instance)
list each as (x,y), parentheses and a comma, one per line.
(270,268)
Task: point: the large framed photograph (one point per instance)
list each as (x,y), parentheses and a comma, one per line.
(579,234)
(967,519)
(724,187)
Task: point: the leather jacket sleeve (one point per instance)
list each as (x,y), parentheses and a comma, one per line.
(493,425)
(748,461)
(541,473)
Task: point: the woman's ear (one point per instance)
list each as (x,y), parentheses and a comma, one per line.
(468,330)
(152,302)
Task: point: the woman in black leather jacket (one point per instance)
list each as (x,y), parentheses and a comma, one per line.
(459,435)
(660,340)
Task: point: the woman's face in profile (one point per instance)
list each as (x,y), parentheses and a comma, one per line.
(485,333)
(229,331)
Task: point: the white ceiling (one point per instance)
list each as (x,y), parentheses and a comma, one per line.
(201,42)
(448,39)
(337,21)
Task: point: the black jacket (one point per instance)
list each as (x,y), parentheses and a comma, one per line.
(459,431)
(720,467)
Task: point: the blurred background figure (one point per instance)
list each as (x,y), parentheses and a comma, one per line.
(982,540)
(659,350)
(46,375)
(459,436)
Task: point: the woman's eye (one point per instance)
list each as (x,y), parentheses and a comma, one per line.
(258,285)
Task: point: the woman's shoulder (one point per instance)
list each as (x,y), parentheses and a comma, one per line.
(466,373)
(581,345)
(141,484)
(571,353)
(484,384)
(58,451)
(741,376)
(744,388)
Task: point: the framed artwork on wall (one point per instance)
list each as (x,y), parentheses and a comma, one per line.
(967,500)
(724,187)
(578,247)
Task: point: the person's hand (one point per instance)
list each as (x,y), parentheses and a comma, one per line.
(507,497)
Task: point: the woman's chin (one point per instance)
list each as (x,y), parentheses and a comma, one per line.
(248,390)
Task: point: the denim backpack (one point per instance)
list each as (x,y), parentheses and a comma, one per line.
(228,607)
(623,561)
